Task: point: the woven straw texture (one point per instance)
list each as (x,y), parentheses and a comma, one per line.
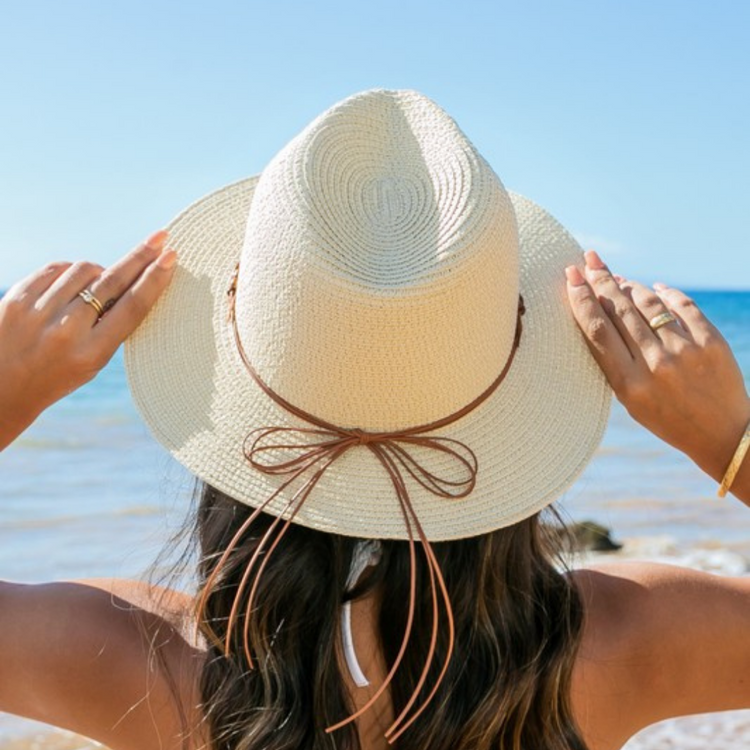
(380,265)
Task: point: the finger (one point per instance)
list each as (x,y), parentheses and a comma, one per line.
(135,303)
(67,285)
(122,274)
(634,330)
(600,333)
(650,305)
(688,313)
(36,283)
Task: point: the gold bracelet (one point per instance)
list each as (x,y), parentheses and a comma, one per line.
(735,463)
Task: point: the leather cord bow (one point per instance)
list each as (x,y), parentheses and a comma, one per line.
(311,451)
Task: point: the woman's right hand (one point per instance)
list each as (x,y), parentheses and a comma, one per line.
(680,381)
(52,341)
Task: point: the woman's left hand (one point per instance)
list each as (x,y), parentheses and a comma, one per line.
(679,379)
(52,341)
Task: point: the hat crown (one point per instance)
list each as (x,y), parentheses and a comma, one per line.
(378,278)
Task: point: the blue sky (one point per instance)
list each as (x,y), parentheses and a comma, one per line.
(629,121)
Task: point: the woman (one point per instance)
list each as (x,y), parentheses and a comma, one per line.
(410,595)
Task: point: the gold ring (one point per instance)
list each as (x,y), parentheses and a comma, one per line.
(90,299)
(661,320)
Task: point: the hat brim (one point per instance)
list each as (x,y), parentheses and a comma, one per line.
(532,437)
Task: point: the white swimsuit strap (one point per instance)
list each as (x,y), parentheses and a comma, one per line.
(366,552)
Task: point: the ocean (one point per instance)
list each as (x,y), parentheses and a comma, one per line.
(88,493)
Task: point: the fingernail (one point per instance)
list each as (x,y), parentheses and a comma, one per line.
(167,259)
(157,239)
(619,279)
(660,287)
(575,277)
(594,261)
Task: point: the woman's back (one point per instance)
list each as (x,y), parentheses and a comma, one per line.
(659,641)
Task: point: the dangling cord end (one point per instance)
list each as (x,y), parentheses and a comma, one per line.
(304,493)
(224,645)
(391,734)
(200,607)
(430,655)
(402,650)
(259,551)
(410,614)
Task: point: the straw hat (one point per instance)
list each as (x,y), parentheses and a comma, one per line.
(380,266)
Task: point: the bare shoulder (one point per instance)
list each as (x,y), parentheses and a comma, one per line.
(108,658)
(157,607)
(659,641)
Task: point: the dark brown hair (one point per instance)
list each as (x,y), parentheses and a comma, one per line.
(518,625)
